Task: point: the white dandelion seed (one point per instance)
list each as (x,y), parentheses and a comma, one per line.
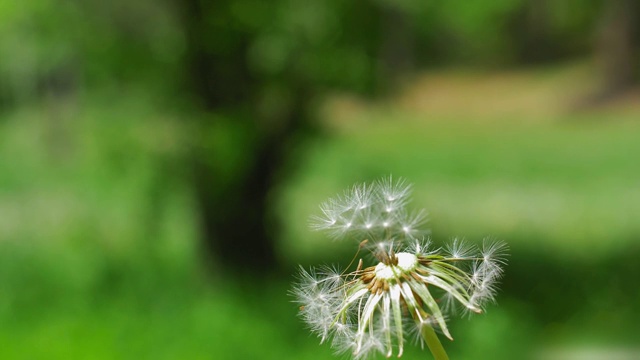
(377,211)
(458,249)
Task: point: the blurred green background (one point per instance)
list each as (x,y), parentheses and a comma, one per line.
(159,161)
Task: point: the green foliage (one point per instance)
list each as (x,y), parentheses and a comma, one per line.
(99,255)
(479,28)
(333,44)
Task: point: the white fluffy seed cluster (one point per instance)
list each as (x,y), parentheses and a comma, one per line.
(375,211)
(414,285)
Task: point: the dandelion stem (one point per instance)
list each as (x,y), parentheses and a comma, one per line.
(430,337)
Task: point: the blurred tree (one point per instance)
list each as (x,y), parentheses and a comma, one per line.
(399,39)
(233,203)
(617,46)
(544,31)
(534,41)
(256,70)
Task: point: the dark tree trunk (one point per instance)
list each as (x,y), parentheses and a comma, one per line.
(397,52)
(530,32)
(237,225)
(615,47)
(217,75)
(537,46)
(234,220)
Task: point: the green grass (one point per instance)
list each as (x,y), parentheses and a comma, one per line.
(571,186)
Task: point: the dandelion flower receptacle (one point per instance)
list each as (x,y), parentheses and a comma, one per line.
(411,286)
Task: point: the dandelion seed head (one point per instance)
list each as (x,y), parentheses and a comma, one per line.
(410,286)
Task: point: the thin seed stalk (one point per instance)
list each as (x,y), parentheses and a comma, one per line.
(430,337)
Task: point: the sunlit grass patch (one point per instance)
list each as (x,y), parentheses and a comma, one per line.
(571,186)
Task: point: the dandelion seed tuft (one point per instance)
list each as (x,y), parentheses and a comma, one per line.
(410,289)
